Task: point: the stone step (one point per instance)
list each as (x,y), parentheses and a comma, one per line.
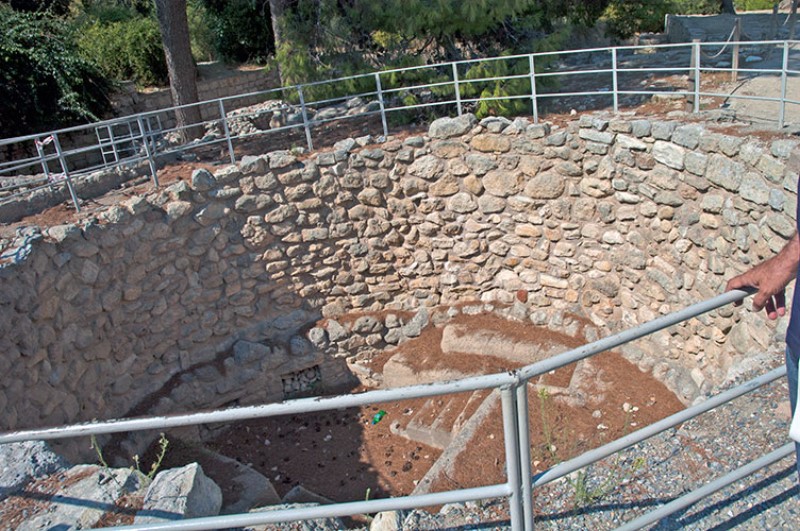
(440,419)
(444,465)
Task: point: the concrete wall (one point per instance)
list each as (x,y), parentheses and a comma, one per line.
(210,294)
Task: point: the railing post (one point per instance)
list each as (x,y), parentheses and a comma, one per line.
(457,89)
(614,78)
(110,129)
(65,171)
(534,103)
(511,440)
(696,74)
(523,430)
(227,131)
(304,111)
(147,150)
(784,68)
(40,151)
(737,36)
(379,90)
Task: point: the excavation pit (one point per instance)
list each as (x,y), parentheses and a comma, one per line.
(288,275)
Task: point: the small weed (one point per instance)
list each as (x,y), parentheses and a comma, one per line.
(586,495)
(545,409)
(163,442)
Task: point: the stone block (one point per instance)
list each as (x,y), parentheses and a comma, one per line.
(180,493)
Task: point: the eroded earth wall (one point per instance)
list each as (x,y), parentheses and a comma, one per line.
(229,288)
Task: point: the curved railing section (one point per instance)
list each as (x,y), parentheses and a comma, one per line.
(75,162)
(519,488)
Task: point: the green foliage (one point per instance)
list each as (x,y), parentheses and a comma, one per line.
(44,82)
(127,49)
(626,18)
(754,5)
(241,29)
(201,33)
(508,97)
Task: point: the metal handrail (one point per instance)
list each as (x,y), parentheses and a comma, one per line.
(604,87)
(513,388)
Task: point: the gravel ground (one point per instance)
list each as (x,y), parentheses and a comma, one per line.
(673,463)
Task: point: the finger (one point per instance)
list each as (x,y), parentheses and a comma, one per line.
(760,300)
(780,303)
(769,307)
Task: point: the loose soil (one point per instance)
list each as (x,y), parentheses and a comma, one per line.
(344,455)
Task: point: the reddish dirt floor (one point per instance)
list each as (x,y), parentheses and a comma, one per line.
(344,456)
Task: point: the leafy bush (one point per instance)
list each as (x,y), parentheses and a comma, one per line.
(44,82)
(127,49)
(625,18)
(754,5)
(242,29)
(201,33)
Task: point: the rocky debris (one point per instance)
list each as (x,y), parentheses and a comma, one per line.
(242,486)
(179,493)
(75,498)
(24,462)
(319,524)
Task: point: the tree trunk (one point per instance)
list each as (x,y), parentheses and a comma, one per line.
(174,27)
(726,6)
(276,15)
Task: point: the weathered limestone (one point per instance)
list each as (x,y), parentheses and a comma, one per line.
(179,493)
(214,284)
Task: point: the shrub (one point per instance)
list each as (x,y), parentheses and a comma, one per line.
(44,82)
(127,49)
(754,5)
(242,29)
(627,18)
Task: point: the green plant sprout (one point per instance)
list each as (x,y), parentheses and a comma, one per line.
(163,443)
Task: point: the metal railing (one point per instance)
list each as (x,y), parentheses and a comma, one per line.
(529,84)
(513,386)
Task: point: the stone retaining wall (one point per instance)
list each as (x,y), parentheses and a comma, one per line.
(128,101)
(240,287)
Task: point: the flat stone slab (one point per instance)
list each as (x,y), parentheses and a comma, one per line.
(460,338)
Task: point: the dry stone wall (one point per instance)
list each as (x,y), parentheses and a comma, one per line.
(240,286)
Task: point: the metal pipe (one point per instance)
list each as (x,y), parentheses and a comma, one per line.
(148,152)
(614,78)
(696,55)
(304,111)
(65,171)
(457,89)
(709,488)
(511,442)
(592,456)
(784,68)
(300,405)
(381,103)
(323,511)
(523,431)
(385,395)
(625,336)
(224,118)
(534,103)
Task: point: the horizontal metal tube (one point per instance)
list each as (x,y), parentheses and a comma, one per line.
(323,511)
(708,489)
(626,336)
(301,405)
(592,456)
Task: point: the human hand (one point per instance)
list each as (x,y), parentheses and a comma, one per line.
(769,279)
